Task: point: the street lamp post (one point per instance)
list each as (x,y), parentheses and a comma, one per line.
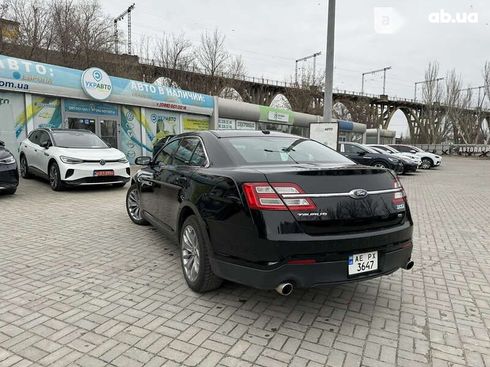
(374,72)
(424,82)
(327,97)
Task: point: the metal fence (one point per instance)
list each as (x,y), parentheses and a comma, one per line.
(478,150)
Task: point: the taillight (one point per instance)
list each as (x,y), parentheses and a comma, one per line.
(399,197)
(265,196)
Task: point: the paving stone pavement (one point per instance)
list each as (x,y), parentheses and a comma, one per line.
(81,285)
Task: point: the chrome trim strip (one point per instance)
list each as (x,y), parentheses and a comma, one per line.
(338,194)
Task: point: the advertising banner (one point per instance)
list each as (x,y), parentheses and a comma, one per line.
(13,120)
(226,124)
(88,107)
(326,133)
(195,123)
(161,123)
(245,125)
(278,115)
(46,112)
(33,77)
(130,137)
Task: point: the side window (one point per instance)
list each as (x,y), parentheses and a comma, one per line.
(352,149)
(34,137)
(43,137)
(198,157)
(402,148)
(165,155)
(184,153)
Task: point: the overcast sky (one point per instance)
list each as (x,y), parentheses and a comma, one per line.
(370,34)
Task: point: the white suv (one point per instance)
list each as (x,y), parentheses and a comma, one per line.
(72,157)
(428,159)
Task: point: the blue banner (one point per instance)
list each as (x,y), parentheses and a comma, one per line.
(33,77)
(94,108)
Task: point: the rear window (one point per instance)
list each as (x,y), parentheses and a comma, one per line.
(277,150)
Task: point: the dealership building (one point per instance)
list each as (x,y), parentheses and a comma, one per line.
(127,114)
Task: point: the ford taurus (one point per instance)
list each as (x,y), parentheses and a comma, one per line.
(272,211)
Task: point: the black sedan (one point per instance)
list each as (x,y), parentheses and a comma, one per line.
(365,155)
(272,211)
(9,175)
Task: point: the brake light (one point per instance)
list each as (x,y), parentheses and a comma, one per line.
(399,197)
(264,196)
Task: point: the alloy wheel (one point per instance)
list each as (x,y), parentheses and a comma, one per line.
(134,205)
(53,176)
(425,164)
(23,166)
(190,253)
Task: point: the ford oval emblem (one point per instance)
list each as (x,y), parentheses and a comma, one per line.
(102,162)
(358,194)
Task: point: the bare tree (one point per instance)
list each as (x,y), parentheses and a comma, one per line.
(145,47)
(235,67)
(93,30)
(432,127)
(173,51)
(35,25)
(211,54)
(306,92)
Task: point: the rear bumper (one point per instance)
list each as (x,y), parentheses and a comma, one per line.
(306,276)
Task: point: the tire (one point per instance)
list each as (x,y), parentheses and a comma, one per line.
(379,164)
(54,177)
(24,167)
(426,163)
(133,206)
(119,184)
(194,250)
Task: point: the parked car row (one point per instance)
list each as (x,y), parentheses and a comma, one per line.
(260,208)
(64,157)
(397,157)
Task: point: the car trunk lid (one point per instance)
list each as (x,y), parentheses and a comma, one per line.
(337,199)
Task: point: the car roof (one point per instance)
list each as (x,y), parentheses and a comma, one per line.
(249,133)
(48,129)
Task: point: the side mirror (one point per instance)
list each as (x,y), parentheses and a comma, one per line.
(361,153)
(45,144)
(2,143)
(143,161)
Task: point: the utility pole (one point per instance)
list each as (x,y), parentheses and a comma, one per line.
(327,96)
(314,56)
(479,93)
(424,82)
(116,35)
(374,72)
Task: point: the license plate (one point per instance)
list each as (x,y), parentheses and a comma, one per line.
(363,263)
(104,173)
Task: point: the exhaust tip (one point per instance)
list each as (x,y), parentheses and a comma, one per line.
(284,289)
(409,265)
